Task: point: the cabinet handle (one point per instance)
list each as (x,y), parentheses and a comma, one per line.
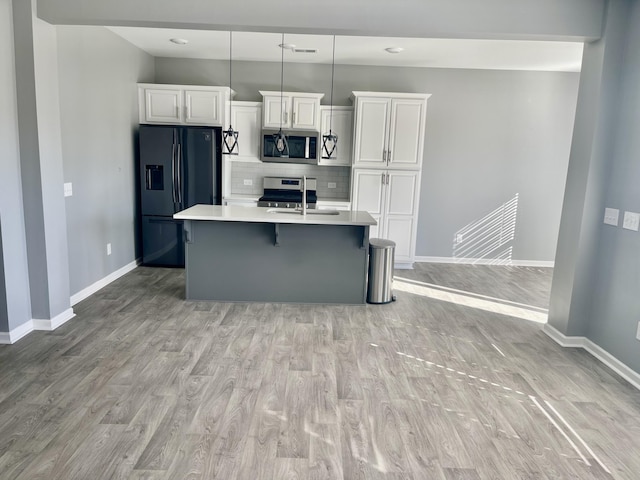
(383,178)
(293,114)
(384,155)
(286,117)
(387,179)
(388,156)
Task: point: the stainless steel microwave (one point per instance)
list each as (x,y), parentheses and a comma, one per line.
(303,147)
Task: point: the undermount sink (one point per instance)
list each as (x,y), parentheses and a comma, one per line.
(295,211)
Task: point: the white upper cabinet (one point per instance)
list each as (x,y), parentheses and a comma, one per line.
(203,107)
(182,105)
(305,113)
(389,130)
(340,120)
(246,118)
(372,122)
(297,111)
(160,105)
(275,110)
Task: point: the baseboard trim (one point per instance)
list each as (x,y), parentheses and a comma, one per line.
(91,289)
(7,338)
(485,261)
(597,351)
(49,325)
(403,266)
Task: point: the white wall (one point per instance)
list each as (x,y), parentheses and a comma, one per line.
(99,117)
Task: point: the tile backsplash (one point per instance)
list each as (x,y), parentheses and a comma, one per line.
(241,171)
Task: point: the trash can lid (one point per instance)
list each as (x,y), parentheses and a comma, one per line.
(381,243)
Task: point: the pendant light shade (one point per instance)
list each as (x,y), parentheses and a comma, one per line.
(330,140)
(230,136)
(279,139)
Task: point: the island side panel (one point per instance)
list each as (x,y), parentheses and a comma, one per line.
(239,261)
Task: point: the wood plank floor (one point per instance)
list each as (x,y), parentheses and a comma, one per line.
(144,385)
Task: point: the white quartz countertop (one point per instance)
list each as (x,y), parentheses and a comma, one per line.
(234,213)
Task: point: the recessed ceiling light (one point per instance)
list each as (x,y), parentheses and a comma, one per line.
(287,46)
(179,41)
(394,49)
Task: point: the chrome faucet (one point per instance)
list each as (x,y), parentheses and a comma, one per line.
(304,195)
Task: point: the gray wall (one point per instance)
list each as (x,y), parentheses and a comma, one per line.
(14,281)
(490,135)
(99,117)
(533,19)
(40,161)
(614,307)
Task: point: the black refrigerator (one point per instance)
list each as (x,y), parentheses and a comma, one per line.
(179,167)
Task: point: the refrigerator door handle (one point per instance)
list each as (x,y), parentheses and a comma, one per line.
(173,173)
(180,190)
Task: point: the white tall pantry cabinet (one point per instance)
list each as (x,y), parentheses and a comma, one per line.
(387,163)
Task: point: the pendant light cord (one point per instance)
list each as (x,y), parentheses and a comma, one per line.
(230,93)
(281,76)
(333,65)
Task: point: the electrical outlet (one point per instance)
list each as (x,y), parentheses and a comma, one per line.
(638,332)
(248,182)
(459,238)
(108,249)
(631,221)
(611,216)
(331,185)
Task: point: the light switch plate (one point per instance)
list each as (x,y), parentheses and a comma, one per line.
(631,221)
(611,216)
(331,185)
(68,189)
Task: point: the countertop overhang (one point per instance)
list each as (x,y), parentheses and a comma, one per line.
(235,213)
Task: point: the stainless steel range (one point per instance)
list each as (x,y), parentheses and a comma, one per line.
(286,192)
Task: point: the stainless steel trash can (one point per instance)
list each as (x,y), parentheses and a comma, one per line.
(381,259)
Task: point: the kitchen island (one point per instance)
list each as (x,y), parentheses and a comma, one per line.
(257,254)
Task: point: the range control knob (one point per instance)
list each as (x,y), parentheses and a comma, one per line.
(288,205)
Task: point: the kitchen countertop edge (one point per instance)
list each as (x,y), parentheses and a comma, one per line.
(233,213)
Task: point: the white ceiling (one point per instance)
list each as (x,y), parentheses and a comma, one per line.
(418,52)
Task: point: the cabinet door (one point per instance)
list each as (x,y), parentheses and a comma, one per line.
(203,107)
(275,111)
(406,133)
(246,120)
(372,119)
(305,113)
(368,195)
(162,105)
(402,192)
(401,211)
(341,122)
(399,229)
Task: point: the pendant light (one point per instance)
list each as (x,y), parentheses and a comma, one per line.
(230,136)
(330,141)
(279,139)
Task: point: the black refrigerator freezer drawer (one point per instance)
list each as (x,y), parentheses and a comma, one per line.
(162,242)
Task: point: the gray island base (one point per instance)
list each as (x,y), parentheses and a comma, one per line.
(252,254)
